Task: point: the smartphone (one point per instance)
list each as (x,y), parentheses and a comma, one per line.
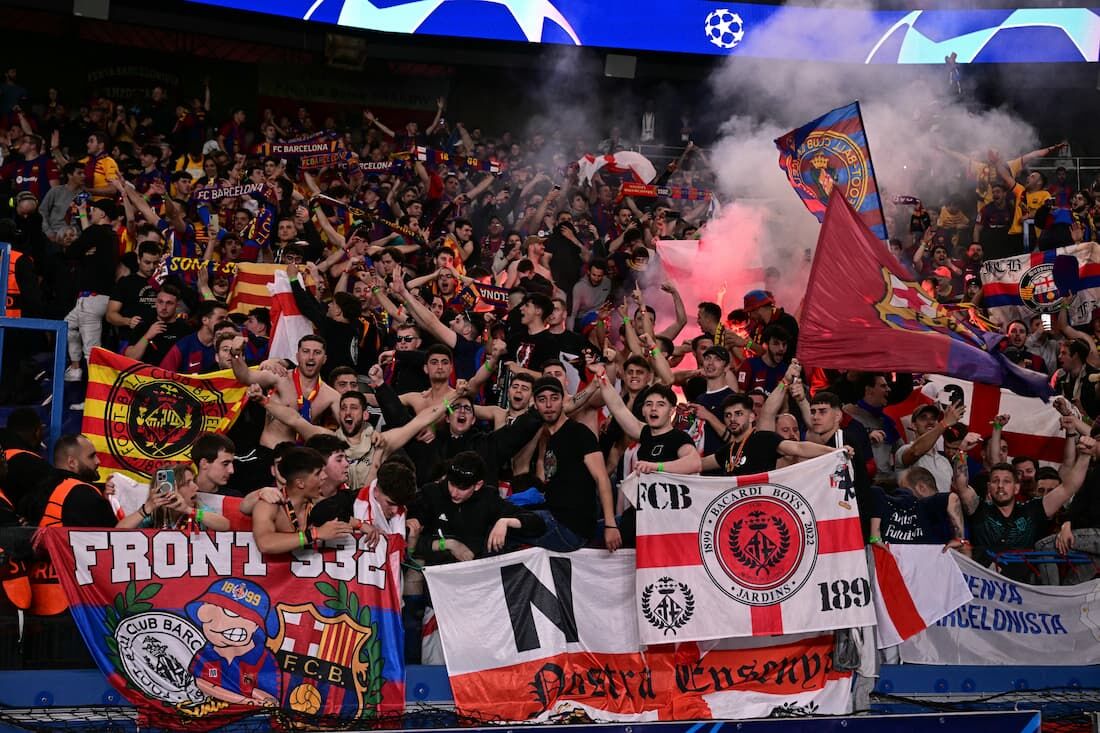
(1046,321)
(164,481)
(557,187)
(672,214)
(215,225)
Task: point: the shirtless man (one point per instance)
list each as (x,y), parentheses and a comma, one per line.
(300,388)
(282,528)
(438,367)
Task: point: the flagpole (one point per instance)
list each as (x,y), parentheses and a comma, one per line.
(870,159)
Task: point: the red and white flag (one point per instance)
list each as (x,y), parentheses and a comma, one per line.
(915,586)
(536,635)
(1033,431)
(773,553)
(288,325)
(622,163)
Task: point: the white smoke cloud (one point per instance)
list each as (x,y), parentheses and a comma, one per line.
(907,112)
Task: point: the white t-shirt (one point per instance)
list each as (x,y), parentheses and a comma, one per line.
(934,461)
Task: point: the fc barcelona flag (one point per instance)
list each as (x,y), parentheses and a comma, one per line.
(140,417)
(197,631)
(833,151)
(861,311)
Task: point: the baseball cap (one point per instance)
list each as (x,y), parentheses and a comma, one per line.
(242,597)
(942,272)
(718,351)
(544,384)
(106,206)
(758,299)
(933,409)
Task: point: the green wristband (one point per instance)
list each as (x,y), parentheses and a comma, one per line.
(442,545)
(301,540)
(660,467)
(874,540)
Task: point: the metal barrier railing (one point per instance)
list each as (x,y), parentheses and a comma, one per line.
(60,329)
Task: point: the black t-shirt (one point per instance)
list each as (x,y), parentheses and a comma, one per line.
(662,448)
(1020,530)
(694,388)
(910,520)
(761,449)
(340,505)
(569,342)
(531,351)
(159,347)
(138,298)
(571,494)
(565,262)
(408,372)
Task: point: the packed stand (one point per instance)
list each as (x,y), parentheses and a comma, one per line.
(418,409)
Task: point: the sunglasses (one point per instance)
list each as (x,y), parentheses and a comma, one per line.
(406,339)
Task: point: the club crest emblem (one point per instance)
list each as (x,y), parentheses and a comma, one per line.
(759,543)
(668,604)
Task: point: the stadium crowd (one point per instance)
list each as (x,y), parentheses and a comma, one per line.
(415,409)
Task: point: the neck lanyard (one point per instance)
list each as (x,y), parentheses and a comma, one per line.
(735,461)
(292,515)
(305,402)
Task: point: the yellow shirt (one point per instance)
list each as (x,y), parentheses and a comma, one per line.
(1027,204)
(106,170)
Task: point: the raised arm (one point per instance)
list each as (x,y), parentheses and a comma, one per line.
(631,425)
(294,420)
(395,438)
(421,312)
(672,331)
(243,374)
(1057,497)
(372,120)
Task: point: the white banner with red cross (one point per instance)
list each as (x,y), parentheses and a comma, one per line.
(1033,431)
(773,553)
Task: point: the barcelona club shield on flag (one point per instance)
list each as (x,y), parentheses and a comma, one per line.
(832,151)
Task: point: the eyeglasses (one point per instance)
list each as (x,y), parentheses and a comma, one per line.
(462,408)
(406,339)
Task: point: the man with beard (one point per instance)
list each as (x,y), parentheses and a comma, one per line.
(1017,339)
(70,496)
(1002,523)
(592,290)
(301,389)
(577,487)
(194,353)
(766,370)
(353,430)
(751,451)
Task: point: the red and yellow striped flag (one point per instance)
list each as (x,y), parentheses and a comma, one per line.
(250,287)
(140,417)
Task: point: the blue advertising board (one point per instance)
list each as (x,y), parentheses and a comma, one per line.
(713,27)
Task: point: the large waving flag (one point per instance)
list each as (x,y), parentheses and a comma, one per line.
(832,151)
(627,164)
(861,311)
(141,418)
(1044,282)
